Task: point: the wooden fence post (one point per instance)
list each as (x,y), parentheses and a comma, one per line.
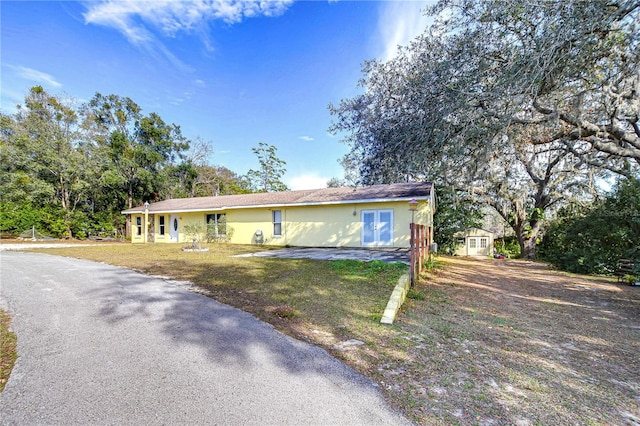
(427,239)
(419,249)
(412,255)
(423,253)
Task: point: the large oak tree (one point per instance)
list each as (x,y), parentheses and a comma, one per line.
(516,104)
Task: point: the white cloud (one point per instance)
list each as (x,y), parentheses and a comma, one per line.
(36,76)
(400,22)
(306,138)
(144,22)
(133,17)
(173,100)
(119,15)
(307,181)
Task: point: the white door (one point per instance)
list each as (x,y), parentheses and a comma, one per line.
(472,249)
(173,229)
(377,227)
(477,246)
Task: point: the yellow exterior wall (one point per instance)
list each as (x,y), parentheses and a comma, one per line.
(184,219)
(312,226)
(135,238)
(321,226)
(161,238)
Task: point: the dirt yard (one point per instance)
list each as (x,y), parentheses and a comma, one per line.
(479,342)
(506,342)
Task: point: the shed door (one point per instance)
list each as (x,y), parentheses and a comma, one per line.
(472,246)
(477,246)
(173,228)
(377,227)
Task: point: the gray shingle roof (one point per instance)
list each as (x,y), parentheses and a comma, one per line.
(396,191)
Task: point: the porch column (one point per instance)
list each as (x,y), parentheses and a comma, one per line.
(145,228)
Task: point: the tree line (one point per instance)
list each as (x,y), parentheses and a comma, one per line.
(69,171)
(529,108)
(525,107)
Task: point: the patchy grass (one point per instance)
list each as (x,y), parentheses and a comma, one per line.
(8,353)
(325,302)
(513,342)
(415,294)
(493,342)
(283,311)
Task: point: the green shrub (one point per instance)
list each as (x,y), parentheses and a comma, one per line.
(415,294)
(594,238)
(15,218)
(432,264)
(508,246)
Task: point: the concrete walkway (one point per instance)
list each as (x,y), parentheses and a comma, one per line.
(364,254)
(385,255)
(28,246)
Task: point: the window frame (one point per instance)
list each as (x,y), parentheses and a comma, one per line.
(161,225)
(138,226)
(215,223)
(373,228)
(277,224)
(473,243)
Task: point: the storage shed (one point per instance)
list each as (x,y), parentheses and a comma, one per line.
(475,242)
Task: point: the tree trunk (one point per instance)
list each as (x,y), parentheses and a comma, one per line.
(528,238)
(521,241)
(127,227)
(130,197)
(528,248)
(64,194)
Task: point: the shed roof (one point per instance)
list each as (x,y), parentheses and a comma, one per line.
(326,196)
(467,232)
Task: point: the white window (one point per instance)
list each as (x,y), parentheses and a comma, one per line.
(277,223)
(161,225)
(483,243)
(472,243)
(216,225)
(138,226)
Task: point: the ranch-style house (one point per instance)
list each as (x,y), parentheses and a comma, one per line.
(370,216)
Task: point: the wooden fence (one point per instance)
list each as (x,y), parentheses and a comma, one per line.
(419,251)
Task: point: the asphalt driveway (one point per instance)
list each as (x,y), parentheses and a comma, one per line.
(99,344)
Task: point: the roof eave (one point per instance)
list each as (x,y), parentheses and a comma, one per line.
(268,206)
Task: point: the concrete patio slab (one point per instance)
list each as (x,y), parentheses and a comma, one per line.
(386,255)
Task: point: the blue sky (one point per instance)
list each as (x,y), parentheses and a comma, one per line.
(234,73)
